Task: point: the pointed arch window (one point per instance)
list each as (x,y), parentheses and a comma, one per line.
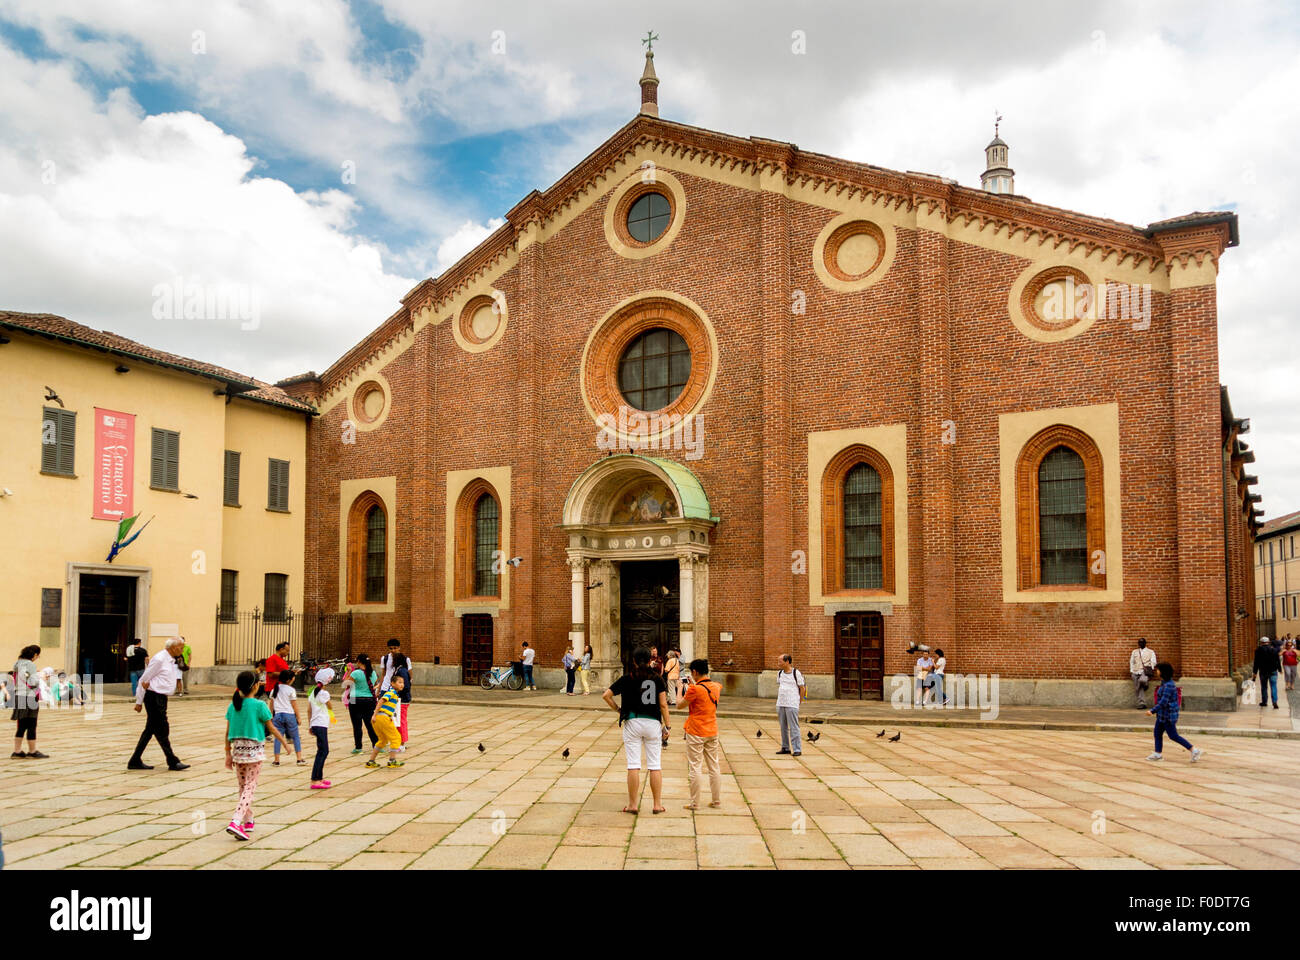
(486,539)
(367,568)
(858,523)
(1061,512)
(478,542)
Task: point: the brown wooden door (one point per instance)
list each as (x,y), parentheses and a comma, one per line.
(649,609)
(476,647)
(859,656)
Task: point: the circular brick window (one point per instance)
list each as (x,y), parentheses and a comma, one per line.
(854,250)
(653,355)
(368,402)
(1057,299)
(654,369)
(644,214)
(480,319)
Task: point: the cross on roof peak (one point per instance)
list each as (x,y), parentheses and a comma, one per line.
(649,40)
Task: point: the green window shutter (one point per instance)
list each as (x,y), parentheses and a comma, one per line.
(67,445)
(157,458)
(50,451)
(231,479)
(173,460)
(277,484)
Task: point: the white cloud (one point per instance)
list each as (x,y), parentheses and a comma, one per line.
(137,201)
(464,239)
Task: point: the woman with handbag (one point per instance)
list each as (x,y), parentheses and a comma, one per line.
(184,664)
(362,683)
(27,703)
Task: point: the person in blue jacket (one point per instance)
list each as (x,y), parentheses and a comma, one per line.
(1166,713)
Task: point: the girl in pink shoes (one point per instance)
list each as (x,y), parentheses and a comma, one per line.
(248,725)
(319,721)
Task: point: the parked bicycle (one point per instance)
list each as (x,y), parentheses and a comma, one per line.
(305,671)
(506,677)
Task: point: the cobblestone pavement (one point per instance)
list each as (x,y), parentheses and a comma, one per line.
(942,797)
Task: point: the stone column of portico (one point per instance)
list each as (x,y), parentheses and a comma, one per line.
(577,622)
(686,605)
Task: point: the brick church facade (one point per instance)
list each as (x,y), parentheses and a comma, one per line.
(721,393)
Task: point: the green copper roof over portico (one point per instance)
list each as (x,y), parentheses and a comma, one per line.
(690,493)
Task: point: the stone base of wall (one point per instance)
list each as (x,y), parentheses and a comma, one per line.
(1199,693)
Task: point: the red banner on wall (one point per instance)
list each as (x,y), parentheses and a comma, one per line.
(114,464)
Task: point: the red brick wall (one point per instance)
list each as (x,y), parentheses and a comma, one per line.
(930,342)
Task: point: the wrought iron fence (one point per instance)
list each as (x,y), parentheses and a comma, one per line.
(246,636)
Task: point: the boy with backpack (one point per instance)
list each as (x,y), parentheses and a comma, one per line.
(1169,702)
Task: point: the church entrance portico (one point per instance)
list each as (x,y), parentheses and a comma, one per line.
(638,551)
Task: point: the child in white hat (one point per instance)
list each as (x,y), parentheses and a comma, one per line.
(319,722)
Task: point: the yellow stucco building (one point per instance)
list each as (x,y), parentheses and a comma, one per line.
(1277,576)
(99,427)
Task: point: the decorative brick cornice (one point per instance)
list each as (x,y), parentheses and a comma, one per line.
(1194,236)
(1195,241)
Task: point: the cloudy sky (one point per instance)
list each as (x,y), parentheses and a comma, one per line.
(324,156)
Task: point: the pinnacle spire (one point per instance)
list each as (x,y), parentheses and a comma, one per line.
(649,79)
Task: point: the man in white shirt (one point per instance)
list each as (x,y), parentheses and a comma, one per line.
(923,666)
(1138,661)
(388,663)
(157,683)
(526,658)
(790,690)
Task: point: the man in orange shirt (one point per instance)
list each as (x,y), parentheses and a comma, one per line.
(701,698)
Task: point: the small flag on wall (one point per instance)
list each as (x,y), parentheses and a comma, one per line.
(122,541)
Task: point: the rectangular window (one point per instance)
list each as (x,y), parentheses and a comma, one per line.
(58,441)
(863,544)
(229,595)
(164,460)
(230,479)
(1063,518)
(486,538)
(276,598)
(376,556)
(277,485)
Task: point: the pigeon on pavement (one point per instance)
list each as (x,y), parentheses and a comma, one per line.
(896,737)
(481,748)
(880,734)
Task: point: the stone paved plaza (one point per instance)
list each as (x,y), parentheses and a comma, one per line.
(941,798)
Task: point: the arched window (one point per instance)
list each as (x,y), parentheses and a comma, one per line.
(367,559)
(863,547)
(1060,512)
(486,539)
(1062,518)
(858,523)
(376,555)
(478,541)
